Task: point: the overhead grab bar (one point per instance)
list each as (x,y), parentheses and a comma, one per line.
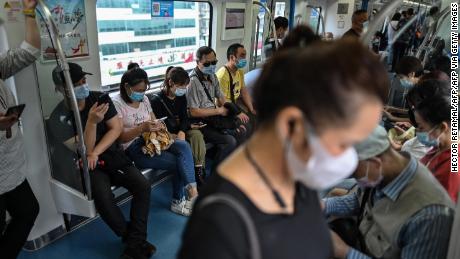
(54,33)
(271,21)
(366,38)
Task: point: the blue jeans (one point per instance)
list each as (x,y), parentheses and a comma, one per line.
(178,158)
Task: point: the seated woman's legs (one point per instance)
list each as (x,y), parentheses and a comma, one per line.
(185,166)
(23,207)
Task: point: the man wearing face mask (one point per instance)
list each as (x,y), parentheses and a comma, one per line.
(16,196)
(205,100)
(402,211)
(359,23)
(231,81)
(107,162)
(281,27)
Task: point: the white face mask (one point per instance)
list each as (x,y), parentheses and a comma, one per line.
(322,170)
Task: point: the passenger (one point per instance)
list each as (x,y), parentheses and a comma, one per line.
(231,82)
(135,112)
(402,211)
(359,23)
(274,176)
(407,74)
(300,37)
(281,27)
(16,196)
(171,103)
(434,130)
(107,162)
(133,65)
(392,29)
(203,82)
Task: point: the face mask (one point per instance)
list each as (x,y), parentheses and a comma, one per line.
(424,138)
(136,96)
(322,170)
(81,92)
(406,83)
(180,91)
(365,182)
(241,63)
(209,70)
(365,26)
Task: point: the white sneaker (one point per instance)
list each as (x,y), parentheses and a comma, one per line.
(182,208)
(189,203)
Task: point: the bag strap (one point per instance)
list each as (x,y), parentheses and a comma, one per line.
(366,195)
(156,96)
(205,89)
(254,243)
(232,85)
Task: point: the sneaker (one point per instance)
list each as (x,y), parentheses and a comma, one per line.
(181,207)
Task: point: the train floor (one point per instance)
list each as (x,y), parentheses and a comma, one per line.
(96,240)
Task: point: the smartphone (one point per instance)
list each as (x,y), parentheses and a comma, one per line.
(103,98)
(162,119)
(15,110)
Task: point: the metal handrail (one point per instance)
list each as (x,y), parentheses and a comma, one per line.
(321,18)
(271,21)
(366,38)
(257,42)
(69,89)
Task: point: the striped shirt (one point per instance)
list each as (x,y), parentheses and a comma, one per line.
(13,161)
(424,235)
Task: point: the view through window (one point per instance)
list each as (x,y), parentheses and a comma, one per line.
(130,31)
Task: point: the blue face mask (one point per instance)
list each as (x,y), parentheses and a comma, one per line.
(406,83)
(180,91)
(424,138)
(209,70)
(81,92)
(241,63)
(137,96)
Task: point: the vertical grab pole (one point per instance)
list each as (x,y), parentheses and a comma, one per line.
(271,21)
(257,41)
(69,89)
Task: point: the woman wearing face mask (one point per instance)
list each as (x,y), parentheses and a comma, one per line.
(136,114)
(308,123)
(171,103)
(434,130)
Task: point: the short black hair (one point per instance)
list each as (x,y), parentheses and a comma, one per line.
(433,10)
(202,51)
(427,88)
(396,17)
(281,22)
(133,65)
(233,50)
(410,11)
(132,78)
(358,13)
(300,36)
(442,63)
(325,81)
(409,64)
(435,109)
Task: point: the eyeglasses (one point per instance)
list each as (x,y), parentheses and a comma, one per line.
(207,64)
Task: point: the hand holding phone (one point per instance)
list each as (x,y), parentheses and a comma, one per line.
(198,125)
(15,110)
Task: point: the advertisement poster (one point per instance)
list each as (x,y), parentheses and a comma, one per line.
(162,8)
(69,16)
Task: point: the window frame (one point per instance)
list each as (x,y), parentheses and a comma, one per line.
(156,81)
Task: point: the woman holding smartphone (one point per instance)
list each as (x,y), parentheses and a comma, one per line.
(137,117)
(171,103)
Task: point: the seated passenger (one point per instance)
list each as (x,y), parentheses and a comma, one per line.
(136,116)
(133,65)
(274,177)
(201,95)
(101,130)
(359,23)
(171,103)
(407,72)
(434,130)
(231,82)
(402,211)
(281,27)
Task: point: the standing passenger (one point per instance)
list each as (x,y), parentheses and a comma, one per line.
(359,23)
(16,196)
(312,106)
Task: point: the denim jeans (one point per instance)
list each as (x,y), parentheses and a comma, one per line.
(178,158)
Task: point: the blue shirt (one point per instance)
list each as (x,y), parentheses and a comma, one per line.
(424,235)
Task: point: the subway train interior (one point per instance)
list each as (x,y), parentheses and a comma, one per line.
(104,37)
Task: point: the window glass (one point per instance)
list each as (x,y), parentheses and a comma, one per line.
(128,33)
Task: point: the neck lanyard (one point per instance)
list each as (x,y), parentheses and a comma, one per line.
(3,102)
(262,175)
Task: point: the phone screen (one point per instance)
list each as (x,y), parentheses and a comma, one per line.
(16,110)
(104,98)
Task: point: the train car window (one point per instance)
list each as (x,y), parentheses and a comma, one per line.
(133,31)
